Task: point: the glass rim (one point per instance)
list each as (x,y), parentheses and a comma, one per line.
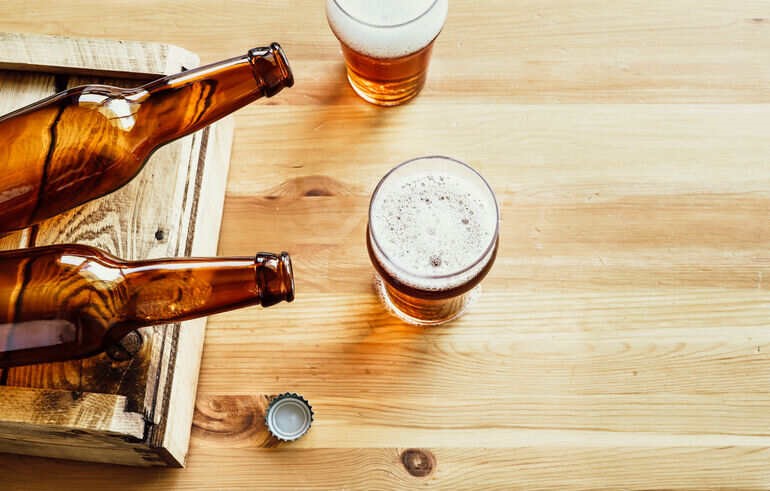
(385,26)
(487,251)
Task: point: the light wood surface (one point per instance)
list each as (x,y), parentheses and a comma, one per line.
(621,341)
(139,411)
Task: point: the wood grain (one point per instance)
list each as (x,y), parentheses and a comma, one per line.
(94,412)
(529,467)
(621,339)
(72,425)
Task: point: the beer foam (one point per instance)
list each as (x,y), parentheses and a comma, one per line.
(434,224)
(386,28)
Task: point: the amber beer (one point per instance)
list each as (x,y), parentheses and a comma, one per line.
(432,237)
(65,302)
(386,44)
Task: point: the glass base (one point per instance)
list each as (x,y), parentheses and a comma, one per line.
(386,94)
(459,305)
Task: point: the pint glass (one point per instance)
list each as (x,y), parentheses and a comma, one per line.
(432,237)
(386,44)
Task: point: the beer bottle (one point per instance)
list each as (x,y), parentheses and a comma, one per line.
(88,141)
(66,302)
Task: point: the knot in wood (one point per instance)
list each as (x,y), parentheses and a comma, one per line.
(417,462)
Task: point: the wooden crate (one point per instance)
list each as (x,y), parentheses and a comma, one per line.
(137,412)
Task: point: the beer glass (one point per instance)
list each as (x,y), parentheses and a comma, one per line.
(432,237)
(386,44)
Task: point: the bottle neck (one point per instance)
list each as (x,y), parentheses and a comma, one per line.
(173,290)
(185,102)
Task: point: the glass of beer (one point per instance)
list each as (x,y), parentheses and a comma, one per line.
(432,237)
(386,44)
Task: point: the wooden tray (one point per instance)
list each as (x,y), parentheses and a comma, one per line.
(137,412)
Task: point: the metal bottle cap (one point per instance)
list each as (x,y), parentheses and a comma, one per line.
(289,416)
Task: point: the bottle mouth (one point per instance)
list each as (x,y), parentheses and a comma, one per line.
(274,277)
(271,67)
(288,275)
(283,63)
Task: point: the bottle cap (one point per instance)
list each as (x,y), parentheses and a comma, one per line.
(289,416)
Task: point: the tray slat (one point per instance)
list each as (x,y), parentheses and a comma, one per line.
(91,57)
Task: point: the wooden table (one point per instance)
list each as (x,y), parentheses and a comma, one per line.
(621,340)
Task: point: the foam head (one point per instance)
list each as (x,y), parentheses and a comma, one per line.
(386,28)
(433,221)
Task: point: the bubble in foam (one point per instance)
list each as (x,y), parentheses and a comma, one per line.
(386,28)
(433,224)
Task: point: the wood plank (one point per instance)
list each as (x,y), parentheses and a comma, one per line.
(21,89)
(173,433)
(66,410)
(91,57)
(69,424)
(541,152)
(533,468)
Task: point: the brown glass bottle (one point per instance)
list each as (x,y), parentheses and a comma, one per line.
(66,302)
(88,141)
